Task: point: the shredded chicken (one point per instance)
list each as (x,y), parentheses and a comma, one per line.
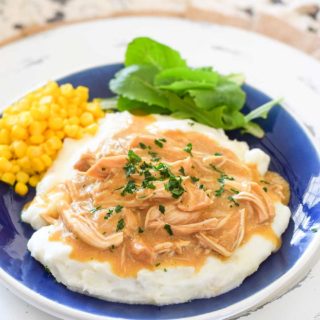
(165,201)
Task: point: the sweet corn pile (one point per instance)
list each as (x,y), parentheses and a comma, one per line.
(32,131)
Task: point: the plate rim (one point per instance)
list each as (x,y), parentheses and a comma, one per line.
(273,291)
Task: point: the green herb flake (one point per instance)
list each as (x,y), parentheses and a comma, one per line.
(216,169)
(188,148)
(118,208)
(265,189)
(265,181)
(181,170)
(133,157)
(174,185)
(94,210)
(154,156)
(235,191)
(218,154)
(142,145)
(159,142)
(157,264)
(219,192)
(140,230)
(120,225)
(231,199)
(108,214)
(165,270)
(162,208)
(129,188)
(167,227)
(194,179)
(314,229)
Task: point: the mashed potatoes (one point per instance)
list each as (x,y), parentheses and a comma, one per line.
(162,283)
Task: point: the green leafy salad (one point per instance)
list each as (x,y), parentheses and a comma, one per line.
(156,79)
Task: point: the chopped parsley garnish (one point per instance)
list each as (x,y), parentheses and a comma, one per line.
(230,198)
(154,156)
(174,185)
(314,229)
(194,179)
(219,191)
(133,157)
(159,142)
(165,270)
(163,170)
(162,208)
(234,191)
(120,225)
(188,148)
(118,208)
(218,154)
(133,160)
(201,187)
(216,169)
(130,187)
(181,170)
(167,227)
(108,214)
(46,268)
(265,189)
(157,264)
(140,230)
(94,210)
(265,181)
(142,145)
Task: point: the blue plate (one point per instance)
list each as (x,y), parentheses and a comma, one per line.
(293,155)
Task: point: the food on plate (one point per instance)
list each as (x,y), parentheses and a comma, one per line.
(32,131)
(156,210)
(156,206)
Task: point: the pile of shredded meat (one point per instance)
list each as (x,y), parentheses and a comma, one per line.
(179,196)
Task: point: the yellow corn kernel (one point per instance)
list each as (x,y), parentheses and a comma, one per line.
(4,136)
(82,92)
(49,150)
(73,120)
(63,113)
(15,168)
(34,180)
(21,189)
(49,134)
(5,151)
(34,152)
(36,114)
(22,177)
(54,143)
(19,148)
(46,100)
(71,130)
(60,134)
(44,111)
(72,111)
(46,160)
(25,119)
(36,128)
(55,108)
(55,123)
(66,90)
(94,108)
(19,133)
(37,139)
(86,119)
(5,164)
(24,163)
(92,129)
(8,177)
(37,164)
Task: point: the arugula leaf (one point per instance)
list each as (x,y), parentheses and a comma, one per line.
(262,111)
(144,50)
(157,80)
(136,83)
(172,75)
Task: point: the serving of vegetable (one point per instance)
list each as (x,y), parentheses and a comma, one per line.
(156,79)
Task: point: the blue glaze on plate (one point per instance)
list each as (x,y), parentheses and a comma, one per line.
(293,156)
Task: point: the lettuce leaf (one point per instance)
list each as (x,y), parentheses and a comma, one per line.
(156,79)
